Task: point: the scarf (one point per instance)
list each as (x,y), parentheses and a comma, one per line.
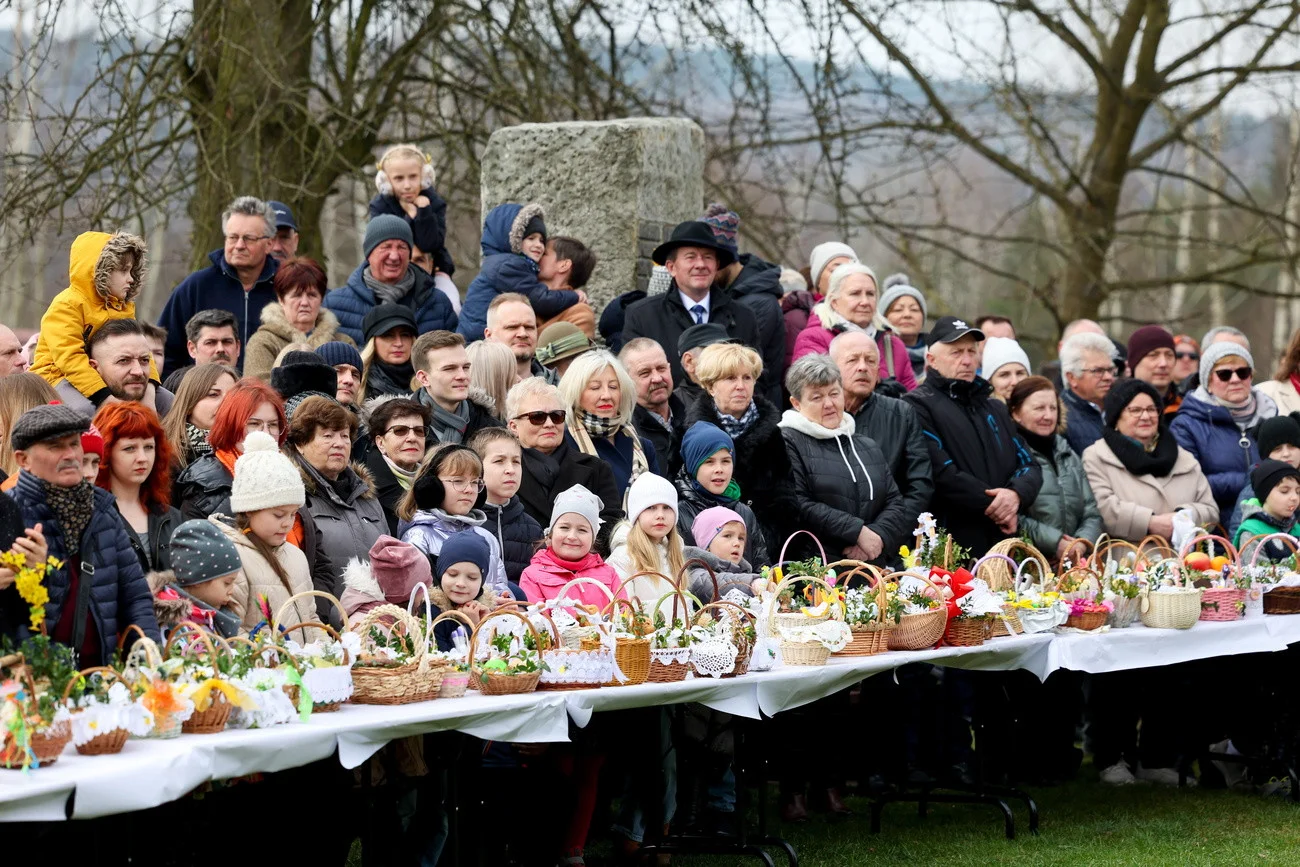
(384,378)
(1295,383)
(729,496)
(1245,415)
(405,478)
(390,293)
(1158,462)
(736,427)
(1044,445)
(833,321)
(227,459)
(449,427)
(598,426)
(73,508)
(196,441)
(582,434)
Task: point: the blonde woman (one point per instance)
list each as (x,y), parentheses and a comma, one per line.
(494,370)
(598,397)
(19,392)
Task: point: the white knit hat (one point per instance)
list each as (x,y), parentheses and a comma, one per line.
(999,351)
(649,490)
(823,254)
(577,501)
(264,478)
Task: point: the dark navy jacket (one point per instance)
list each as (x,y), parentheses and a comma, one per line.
(216,287)
(1083,424)
(516,531)
(351,303)
(618,456)
(428,226)
(1226,455)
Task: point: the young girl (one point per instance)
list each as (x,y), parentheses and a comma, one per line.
(722,535)
(265,495)
(440,504)
(201,583)
(568,554)
(648,540)
(1277,496)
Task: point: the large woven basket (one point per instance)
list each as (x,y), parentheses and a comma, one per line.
(492,683)
(918,631)
(1177,608)
(410,682)
(869,638)
(802,652)
(1087,622)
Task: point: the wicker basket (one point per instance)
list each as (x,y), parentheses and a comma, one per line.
(918,631)
(669,664)
(46,744)
(1282,600)
(105,743)
(632,655)
(395,684)
(312,674)
(968,631)
(559,653)
(1008,623)
(213,718)
(803,652)
(1087,622)
(739,638)
(1222,604)
(869,638)
(1171,609)
(504,684)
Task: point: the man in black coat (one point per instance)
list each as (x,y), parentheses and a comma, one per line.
(890,422)
(660,414)
(984,474)
(692,257)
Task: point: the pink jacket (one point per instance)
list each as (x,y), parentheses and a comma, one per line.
(816,338)
(547,573)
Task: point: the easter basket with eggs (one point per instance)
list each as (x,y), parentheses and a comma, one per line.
(1274,585)
(810,635)
(506,663)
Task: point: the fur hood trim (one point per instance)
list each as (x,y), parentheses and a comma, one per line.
(110,259)
(310,479)
(520,222)
(325,329)
(357,576)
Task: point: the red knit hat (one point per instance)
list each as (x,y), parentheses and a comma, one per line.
(92,441)
(1146,340)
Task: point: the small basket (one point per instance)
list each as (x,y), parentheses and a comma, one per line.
(1035,620)
(504,684)
(672,664)
(1088,621)
(918,631)
(994,564)
(454,684)
(803,652)
(396,684)
(968,631)
(1222,604)
(1171,609)
(869,638)
(322,680)
(559,657)
(45,743)
(106,743)
(632,655)
(744,647)
(1278,600)
(794,619)
(213,718)
(1282,600)
(994,569)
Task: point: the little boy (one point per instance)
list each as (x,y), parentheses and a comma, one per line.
(1279,439)
(201,583)
(103,281)
(720,534)
(514,248)
(506,519)
(1272,510)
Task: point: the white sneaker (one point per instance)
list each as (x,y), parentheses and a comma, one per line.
(1163,777)
(1117,774)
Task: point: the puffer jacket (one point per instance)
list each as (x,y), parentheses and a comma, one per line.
(276,333)
(115,593)
(841,484)
(258,579)
(352,301)
(1224,452)
(429,528)
(894,427)
(82,309)
(348,517)
(1257,522)
(973,447)
(762,468)
(1065,505)
(517,534)
(215,287)
(506,269)
(690,502)
(730,575)
(547,574)
(758,287)
(1127,502)
(428,226)
(817,337)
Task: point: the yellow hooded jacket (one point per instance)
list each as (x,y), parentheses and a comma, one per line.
(80,310)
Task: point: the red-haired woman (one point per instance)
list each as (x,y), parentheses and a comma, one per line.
(134,470)
(296,316)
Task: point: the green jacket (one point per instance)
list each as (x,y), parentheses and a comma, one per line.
(1256,522)
(1065,505)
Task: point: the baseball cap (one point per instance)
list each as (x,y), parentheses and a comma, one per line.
(283,216)
(950,329)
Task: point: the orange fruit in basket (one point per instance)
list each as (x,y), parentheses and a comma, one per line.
(1219,562)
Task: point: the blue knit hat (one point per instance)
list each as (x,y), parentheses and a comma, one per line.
(464,547)
(702,441)
(201,552)
(337,352)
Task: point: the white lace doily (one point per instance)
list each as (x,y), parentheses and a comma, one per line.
(832,634)
(714,657)
(584,666)
(671,655)
(328,685)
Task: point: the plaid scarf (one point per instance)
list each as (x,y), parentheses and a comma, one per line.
(73,508)
(196,441)
(596,425)
(736,427)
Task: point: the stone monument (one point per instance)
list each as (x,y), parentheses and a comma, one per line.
(619,186)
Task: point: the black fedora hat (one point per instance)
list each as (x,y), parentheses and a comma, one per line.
(693,233)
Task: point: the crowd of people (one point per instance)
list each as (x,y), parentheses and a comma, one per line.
(272,435)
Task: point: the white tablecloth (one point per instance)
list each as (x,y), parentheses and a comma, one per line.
(151,772)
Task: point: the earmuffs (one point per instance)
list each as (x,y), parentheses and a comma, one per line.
(428,488)
(385,186)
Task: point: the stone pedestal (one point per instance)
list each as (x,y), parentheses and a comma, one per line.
(618,186)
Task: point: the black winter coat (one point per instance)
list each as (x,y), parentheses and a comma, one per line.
(516,531)
(162,523)
(546,476)
(762,469)
(113,590)
(613,317)
(663,319)
(841,484)
(973,447)
(387,489)
(691,502)
(893,425)
(667,443)
(758,287)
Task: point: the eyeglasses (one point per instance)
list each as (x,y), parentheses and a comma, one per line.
(1139,411)
(539,417)
(1225,374)
(402,431)
(248,240)
(463,485)
(1187,356)
(271,427)
(1098,371)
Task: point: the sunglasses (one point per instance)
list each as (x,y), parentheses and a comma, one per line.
(1225,374)
(1187,356)
(403,430)
(539,417)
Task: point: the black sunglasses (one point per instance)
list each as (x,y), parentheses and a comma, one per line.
(1225,373)
(1186,356)
(539,417)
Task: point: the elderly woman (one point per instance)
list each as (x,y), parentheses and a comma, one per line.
(189,422)
(851,305)
(1064,509)
(135,472)
(389,332)
(599,398)
(1217,422)
(296,316)
(1005,365)
(551,462)
(398,432)
(904,308)
(1139,473)
(341,500)
(844,491)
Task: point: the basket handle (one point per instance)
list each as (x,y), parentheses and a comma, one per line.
(307,594)
(312,624)
(104,671)
(833,598)
(1190,545)
(1077,543)
(501,612)
(684,573)
(875,582)
(676,594)
(781,559)
(406,621)
(621,589)
(1260,541)
(563,595)
(975,570)
(1089,576)
(153,653)
(200,632)
(410,606)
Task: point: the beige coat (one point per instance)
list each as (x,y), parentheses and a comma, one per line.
(1127,502)
(258,577)
(276,333)
(1283,394)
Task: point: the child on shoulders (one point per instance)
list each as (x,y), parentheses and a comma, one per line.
(405,182)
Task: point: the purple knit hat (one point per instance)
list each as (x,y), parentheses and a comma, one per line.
(724,223)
